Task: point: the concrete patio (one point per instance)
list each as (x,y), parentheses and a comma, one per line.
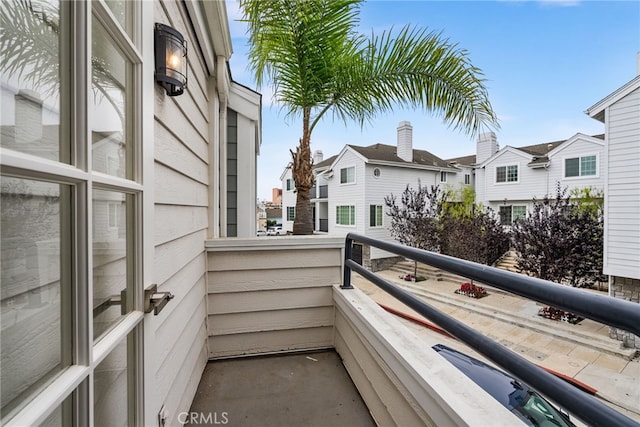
(303,389)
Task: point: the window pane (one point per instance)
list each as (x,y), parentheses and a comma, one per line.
(30,79)
(109,258)
(519,212)
(123,11)
(35,219)
(588,165)
(505,215)
(110,389)
(512,173)
(571,167)
(347,175)
(109,121)
(501,174)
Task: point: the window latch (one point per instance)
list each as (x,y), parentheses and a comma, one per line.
(154,300)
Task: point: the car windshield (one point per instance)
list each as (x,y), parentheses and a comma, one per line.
(536,411)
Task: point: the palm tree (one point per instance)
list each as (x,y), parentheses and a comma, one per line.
(317,62)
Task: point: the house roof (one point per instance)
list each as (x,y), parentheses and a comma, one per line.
(538,152)
(465,160)
(325,163)
(387,153)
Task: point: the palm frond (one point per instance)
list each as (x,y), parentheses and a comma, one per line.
(415,69)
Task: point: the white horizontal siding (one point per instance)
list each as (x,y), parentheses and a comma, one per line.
(622,192)
(271,299)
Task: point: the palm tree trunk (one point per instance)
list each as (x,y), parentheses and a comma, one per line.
(303,178)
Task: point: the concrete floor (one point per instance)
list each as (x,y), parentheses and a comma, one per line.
(302,389)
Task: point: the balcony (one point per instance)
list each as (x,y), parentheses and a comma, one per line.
(320,193)
(279,323)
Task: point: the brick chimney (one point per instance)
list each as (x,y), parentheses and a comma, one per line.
(405,141)
(486,146)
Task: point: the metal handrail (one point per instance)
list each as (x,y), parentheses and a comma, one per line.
(608,310)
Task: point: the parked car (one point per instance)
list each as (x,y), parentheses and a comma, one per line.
(518,397)
(274,231)
(261,233)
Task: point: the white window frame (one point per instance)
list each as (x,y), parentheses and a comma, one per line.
(352,215)
(78,378)
(443,176)
(506,174)
(290,184)
(347,168)
(467,179)
(580,175)
(291,213)
(380,223)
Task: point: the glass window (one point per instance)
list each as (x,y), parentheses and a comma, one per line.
(588,166)
(290,184)
(110,389)
(580,166)
(345,215)
(123,12)
(375,215)
(110,125)
(467,179)
(109,258)
(348,175)
(30,74)
(291,213)
(443,177)
(507,173)
(505,215)
(35,221)
(572,167)
(519,212)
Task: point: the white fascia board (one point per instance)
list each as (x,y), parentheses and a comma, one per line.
(342,153)
(215,13)
(285,171)
(598,108)
(412,166)
(507,149)
(245,101)
(201,29)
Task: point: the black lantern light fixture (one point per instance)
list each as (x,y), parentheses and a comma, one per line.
(171,59)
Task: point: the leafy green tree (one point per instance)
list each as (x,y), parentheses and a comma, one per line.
(317,62)
(560,241)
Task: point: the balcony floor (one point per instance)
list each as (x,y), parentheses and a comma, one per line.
(302,389)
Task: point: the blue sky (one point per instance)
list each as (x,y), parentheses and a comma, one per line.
(545,63)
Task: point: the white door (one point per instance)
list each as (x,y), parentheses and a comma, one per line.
(72,270)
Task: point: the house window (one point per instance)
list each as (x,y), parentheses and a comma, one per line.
(348,175)
(510,214)
(376,172)
(443,176)
(375,215)
(291,213)
(346,215)
(580,166)
(290,184)
(467,179)
(507,173)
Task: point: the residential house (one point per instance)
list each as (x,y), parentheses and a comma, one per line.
(351,187)
(109,189)
(620,113)
(508,179)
